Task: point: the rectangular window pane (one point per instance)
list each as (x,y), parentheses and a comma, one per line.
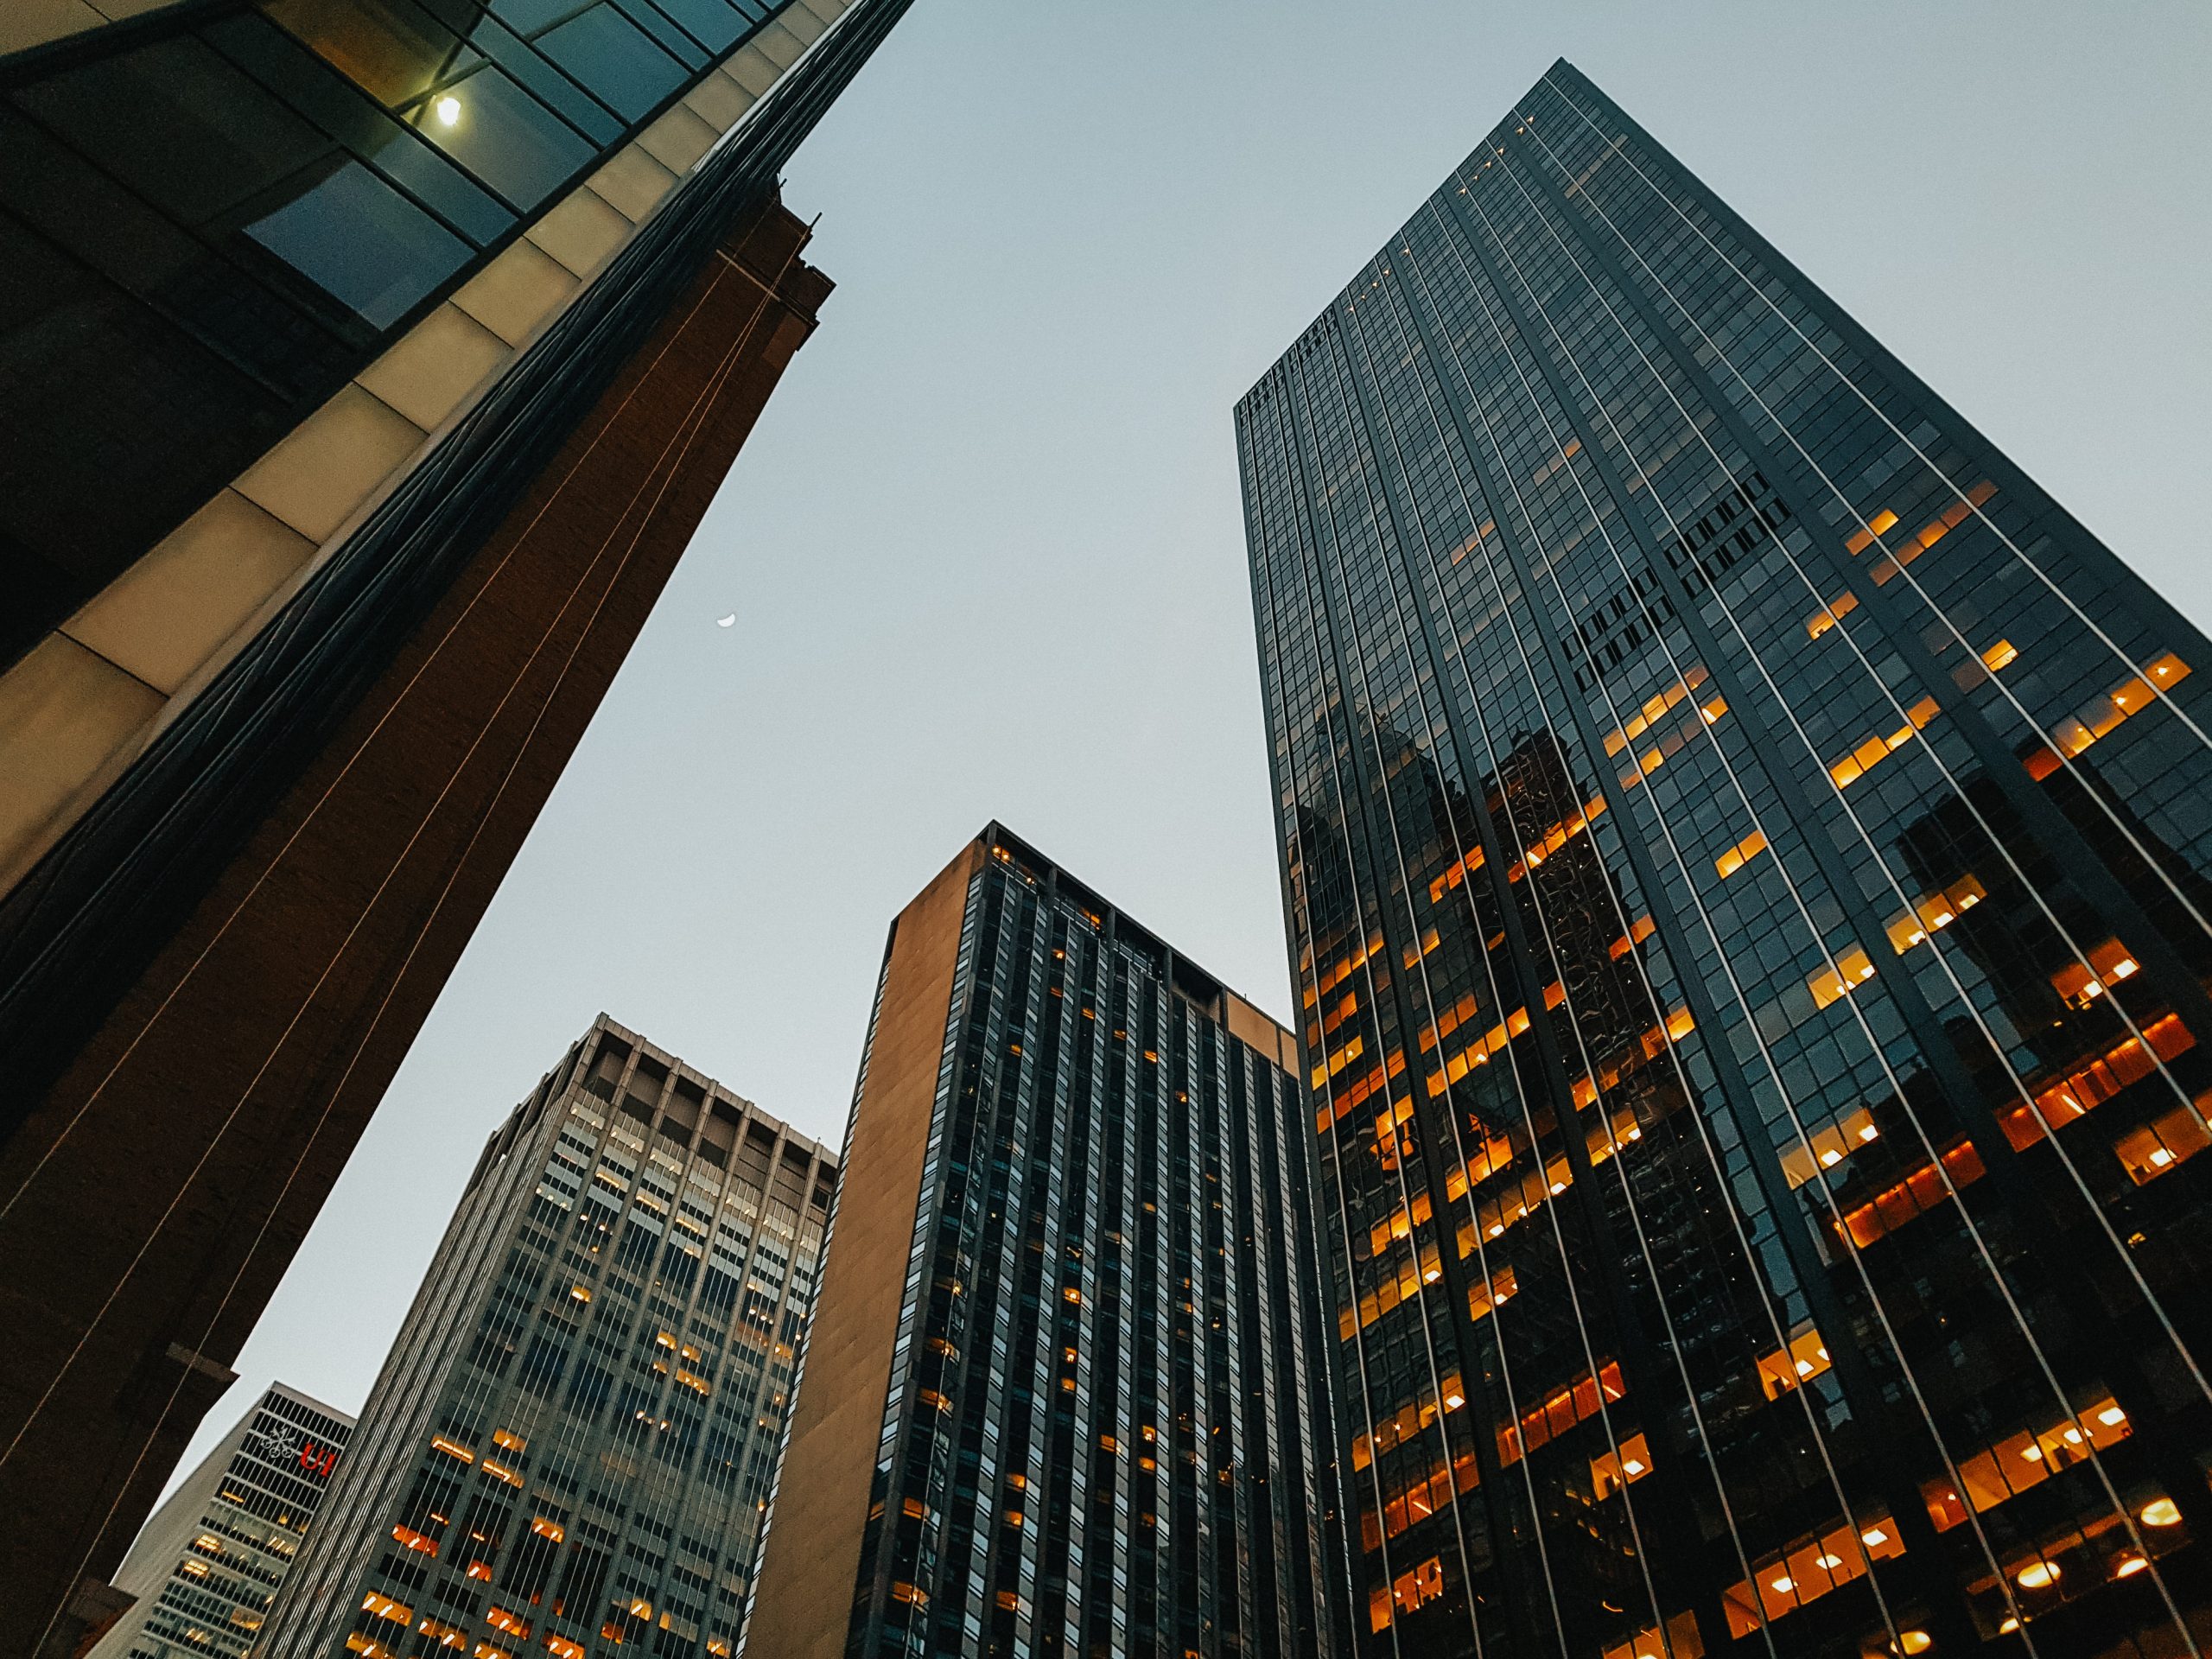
(363,243)
(503,135)
(605,52)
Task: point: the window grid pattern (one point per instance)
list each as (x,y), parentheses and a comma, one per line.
(1746,850)
(571,1448)
(1105,1430)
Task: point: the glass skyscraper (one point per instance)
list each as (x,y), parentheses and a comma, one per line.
(1066,1393)
(570,1447)
(1749,853)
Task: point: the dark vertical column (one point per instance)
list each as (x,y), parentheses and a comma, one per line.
(152,1198)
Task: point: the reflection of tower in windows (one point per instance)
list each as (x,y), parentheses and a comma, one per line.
(1668,566)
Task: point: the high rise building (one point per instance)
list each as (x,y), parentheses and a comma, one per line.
(1065,1394)
(1749,853)
(571,1446)
(369,364)
(213,1558)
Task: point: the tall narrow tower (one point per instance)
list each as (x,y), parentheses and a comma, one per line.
(369,365)
(571,1446)
(1065,1394)
(1749,859)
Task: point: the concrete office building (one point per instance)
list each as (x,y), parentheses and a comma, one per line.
(199,1579)
(572,1444)
(369,364)
(1065,1394)
(1748,856)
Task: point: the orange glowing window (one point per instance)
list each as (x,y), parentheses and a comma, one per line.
(1870,753)
(1931,915)
(1740,854)
(2022,1460)
(1836,610)
(1828,1145)
(1613,1470)
(1577,1402)
(1919,1192)
(2165,1142)
(419,1542)
(1852,969)
(2086,1087)
(1805,1358)
(1808,1570)
(2096,718)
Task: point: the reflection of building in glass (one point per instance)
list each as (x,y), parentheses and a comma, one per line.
(1747,854)
(571,1447)
(1066,1392)
(368,365)
(213,1558)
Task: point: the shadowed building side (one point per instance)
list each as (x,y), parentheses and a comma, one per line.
(226,925)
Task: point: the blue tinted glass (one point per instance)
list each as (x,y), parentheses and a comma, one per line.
(606,52)
(548,83)
(340,108)
(710,21)
(672,38)
(502,134)
(362,242)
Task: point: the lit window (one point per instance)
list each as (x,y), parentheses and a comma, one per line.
(1876,749)
(2163,1143)
(2098,718)
(1740,854)
(1615,1470)
(1852,969)
(1805,1358)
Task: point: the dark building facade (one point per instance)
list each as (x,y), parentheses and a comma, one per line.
(570,1448)
(368,367)
(1065,1394)
(212,1559)
(1746,850)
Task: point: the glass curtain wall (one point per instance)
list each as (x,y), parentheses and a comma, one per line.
(1747,854)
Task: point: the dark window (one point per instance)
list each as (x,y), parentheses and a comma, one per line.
(362,242)
(609,53)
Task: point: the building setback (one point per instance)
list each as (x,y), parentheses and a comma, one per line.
(213,1558)
(1747,852)
(1065,1394)
(371,364)
(569,1449)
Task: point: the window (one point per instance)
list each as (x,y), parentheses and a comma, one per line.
(362,242)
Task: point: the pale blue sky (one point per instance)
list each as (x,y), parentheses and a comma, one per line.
(985,547)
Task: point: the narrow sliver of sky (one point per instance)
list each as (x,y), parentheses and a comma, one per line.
(984,554)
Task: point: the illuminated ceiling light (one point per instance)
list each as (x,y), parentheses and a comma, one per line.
(1868,1133)
(2010,1625)
(2162,1158)
(1634,1466)
(1804,1368)
(1831,1563)
(2112,1416)
(2037,1574)
(1453,1401)
(1915,1641)
(1873,1537)
(1830,1157)
(2032,1454)
(2161,1512)
(2129,1567)
(448,109)
(1784,1585)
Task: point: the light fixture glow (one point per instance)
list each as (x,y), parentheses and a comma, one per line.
(2161,1512)
(448,109)
(2129,1567)
(1784,1585)
(2037,1574)
(2112,1416)
(1915,1641)
(1873,1537)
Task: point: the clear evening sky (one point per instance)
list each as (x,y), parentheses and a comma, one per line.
(985,549)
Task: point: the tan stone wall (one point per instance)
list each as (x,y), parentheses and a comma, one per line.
(812,1557)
